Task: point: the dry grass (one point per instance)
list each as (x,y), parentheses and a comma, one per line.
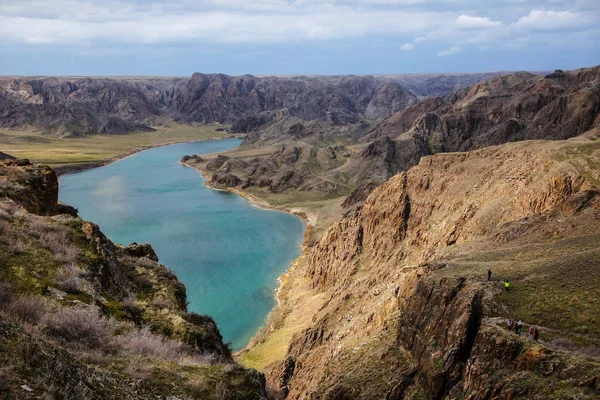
(147,344)
(69,278)
(30,309)
(54,239)
(54,150)
(83,325)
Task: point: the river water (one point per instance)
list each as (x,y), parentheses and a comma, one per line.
(227,252)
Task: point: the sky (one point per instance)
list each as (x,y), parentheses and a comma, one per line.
(295,37)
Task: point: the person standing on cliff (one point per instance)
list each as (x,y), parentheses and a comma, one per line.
(506,284)
(519,327)
(531,333)
(489,274)
(536,335)
(509,323)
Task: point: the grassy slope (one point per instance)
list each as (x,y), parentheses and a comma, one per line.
(54,150)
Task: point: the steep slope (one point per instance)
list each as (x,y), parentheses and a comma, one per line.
(82,317)
(393,301)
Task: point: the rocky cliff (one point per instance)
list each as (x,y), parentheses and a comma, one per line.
(394,302)
(82,317)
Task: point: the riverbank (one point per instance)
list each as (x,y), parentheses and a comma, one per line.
(309,218)
(69,168)
(247,355)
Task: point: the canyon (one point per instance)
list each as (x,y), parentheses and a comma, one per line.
(410,202)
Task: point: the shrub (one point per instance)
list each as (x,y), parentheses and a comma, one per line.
(81,324)
(30,309)
(4,215)
(143,342)
(57,241)
(16,246)
(5,294)
(161,304)
(201,359)
(37,226)
(69,278)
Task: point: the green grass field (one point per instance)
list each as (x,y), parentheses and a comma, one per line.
(54,150)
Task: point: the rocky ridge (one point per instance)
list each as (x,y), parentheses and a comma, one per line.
(396,300)
(507,108)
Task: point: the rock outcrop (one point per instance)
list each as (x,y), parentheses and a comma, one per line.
(33,186)
(4,156)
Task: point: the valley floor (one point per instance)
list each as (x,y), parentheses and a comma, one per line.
(96,150)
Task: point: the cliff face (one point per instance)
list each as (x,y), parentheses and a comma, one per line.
(83,317)
(406,309)
(35,187)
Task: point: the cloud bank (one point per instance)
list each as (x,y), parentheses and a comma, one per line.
(416,27)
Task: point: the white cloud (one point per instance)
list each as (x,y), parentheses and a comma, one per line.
(449,52)
(548,20)
(468,22)
(407,47)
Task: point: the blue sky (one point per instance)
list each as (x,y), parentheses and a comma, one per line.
(278,37)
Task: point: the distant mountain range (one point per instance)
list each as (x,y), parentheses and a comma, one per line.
(80,106)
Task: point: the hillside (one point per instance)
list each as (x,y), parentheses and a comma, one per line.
(393,301)
(82,317)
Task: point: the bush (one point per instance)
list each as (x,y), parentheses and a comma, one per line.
(30,309)
(69,278)
(143,342)
(57,241)
(37,227)
(81,324)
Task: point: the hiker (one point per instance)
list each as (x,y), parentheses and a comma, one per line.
(489,274)
(506,284)
(509,323)
(519,327)
(536,335)
(531,333)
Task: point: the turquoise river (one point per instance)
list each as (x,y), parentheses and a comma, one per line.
(228,253)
